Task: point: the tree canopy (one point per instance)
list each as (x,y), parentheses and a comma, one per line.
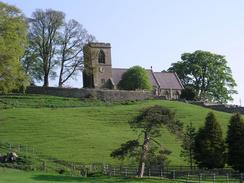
(12,43)
(73,37)
(235,142)
(209,149)
(208,74)
(44,36)
(135,78)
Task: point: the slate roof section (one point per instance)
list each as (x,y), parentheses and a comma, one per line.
(117,74)
(168,80)
(163,80)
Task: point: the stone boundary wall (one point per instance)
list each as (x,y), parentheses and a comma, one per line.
(104,95)
(220,107)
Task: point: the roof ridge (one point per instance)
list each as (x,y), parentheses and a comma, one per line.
(155,78)
(121,68)
(165,72)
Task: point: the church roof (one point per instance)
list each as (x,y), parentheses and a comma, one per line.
(163,80)
(168,80)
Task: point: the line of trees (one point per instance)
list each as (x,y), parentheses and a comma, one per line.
(35,49)
(208,149)
(55,47)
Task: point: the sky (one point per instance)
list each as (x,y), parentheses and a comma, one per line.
(156,32)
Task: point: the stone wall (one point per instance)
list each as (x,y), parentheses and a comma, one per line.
(220,107)
(104,95)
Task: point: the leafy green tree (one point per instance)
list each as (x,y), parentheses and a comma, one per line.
(149,123)
(135,78)
(235,142)
(12,43)
(32,65)
(208,74)
(44,27)
(188,144)
(209,149)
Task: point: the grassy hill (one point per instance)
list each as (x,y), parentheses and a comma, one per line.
(85,130)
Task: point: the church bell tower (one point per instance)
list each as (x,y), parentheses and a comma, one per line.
(97,71)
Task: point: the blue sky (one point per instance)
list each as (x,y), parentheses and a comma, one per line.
(156,32)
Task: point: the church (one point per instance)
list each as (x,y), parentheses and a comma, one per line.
(98,73)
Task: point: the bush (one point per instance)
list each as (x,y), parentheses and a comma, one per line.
(135,78)
(188,94)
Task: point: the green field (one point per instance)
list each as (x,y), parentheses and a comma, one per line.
(85,131)
(15,176)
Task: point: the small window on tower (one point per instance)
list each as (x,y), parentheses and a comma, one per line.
(101,57)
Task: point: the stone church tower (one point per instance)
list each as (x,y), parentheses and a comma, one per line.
(97,66)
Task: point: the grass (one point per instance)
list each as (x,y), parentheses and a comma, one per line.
(13,176)
(86,131)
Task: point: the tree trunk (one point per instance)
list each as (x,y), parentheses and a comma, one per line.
(60,82)
(46,83)
(145,145)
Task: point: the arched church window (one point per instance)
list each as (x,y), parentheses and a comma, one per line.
(101,57)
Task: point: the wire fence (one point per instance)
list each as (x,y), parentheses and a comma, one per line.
(195,175)
(40,162)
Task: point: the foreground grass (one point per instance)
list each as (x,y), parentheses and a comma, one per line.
(15,176)
(86,131)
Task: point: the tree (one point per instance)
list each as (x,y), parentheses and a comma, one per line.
(208,74)
(12,42)
(44,38)
(72,40)
(188,144)
(209,149)
(148,123)
(188,93)
(235,142)
(32,65)
(135,78)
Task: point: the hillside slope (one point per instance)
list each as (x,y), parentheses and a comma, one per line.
(85,131)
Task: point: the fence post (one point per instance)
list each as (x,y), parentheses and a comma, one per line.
(114,171)
(227,178)
(241,178)
(126,173)
(161,173)
(44,166)
(174,174)
(214,178)
(149,172)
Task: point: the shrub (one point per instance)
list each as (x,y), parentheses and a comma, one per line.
(135,78)
(188,94)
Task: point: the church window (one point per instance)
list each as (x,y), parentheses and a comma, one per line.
(101,57)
